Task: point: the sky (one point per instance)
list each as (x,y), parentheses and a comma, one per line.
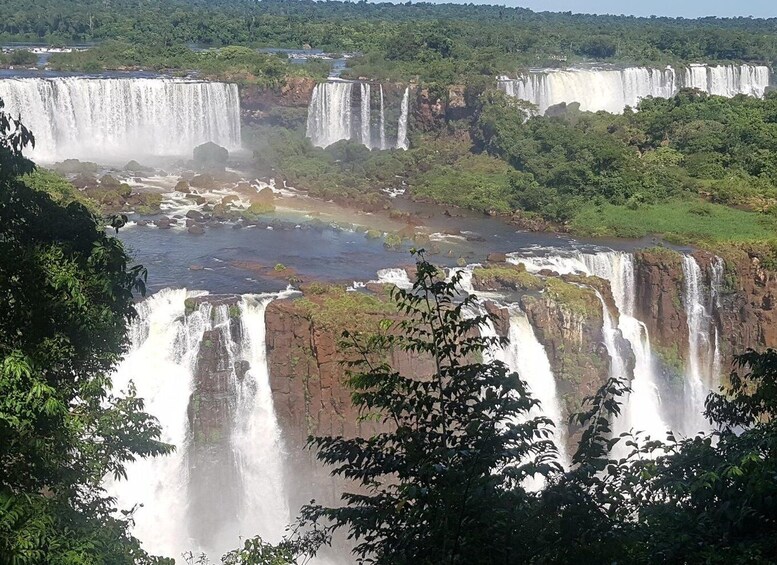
(672,8)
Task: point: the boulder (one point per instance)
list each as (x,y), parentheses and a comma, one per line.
(210,156)
(196,230)
(204,181)
(135,167)
(183,186)
(163,223)
(107,181)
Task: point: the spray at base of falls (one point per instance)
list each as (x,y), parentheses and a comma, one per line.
(238,487)
(122,118)
(612,89)
(332,115)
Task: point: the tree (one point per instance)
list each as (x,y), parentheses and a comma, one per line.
(447,483)
(66,295)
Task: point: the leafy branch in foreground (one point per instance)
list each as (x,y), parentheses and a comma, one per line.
(446,483)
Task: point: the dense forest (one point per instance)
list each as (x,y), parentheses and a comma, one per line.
(435,41)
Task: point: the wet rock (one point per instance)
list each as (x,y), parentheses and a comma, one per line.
(204,181)
(183,186)
(135,167)
(229,199)
(196,267)
(241,368)
(196,230)
(194,215)
(210,156)
(197,199)
(163,223)
(496,258)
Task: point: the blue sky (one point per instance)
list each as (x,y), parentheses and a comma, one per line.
(673,8)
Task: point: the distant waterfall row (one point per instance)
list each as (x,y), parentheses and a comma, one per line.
(113,118)
(612,90)
(334,116)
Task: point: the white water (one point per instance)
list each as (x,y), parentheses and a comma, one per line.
(164,348)
(612,89)
(382,121)
(397,277)
(703,367)
(331,115)
(365,116)
(258,437)
(402,126)
(642,409)
(115,119)
(162,362)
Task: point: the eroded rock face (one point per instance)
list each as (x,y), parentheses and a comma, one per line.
(659,280)
(212,411)
(276,105)
(747,315)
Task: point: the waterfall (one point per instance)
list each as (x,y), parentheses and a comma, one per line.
(728,80)
(382,121)
(703,346)
(402,127)
(643,407)
(203,374)
(108,118)
(164,345)
(525,355)
(365,115)
(258,439)
(611,89)
(329,113)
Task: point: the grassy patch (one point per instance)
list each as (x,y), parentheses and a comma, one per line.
(678,221)
(513,277)
(579,300)
(332,308)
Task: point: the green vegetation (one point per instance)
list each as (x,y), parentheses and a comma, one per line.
(67,296)
(333,308)
(677,221)
(234,63)
(514,277)
(449,479)
(440,43)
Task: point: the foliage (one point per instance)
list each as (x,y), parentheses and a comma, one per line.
(66,294)
(440,43)
(446,484)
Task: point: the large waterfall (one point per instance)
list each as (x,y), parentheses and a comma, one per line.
(226,477)
(612,89)
(112,118)
(334,116)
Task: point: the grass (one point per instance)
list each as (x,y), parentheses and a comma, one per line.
(332,308)
(513,277)
(678,221)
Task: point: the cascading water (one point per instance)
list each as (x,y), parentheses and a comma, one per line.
(108,118)
(204,375)
(402,127)
(331,115)
(525,355)
(703,346)
(612,89)
(366,132)
(382,121)
(164,346)
(643,409)
(258,437)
